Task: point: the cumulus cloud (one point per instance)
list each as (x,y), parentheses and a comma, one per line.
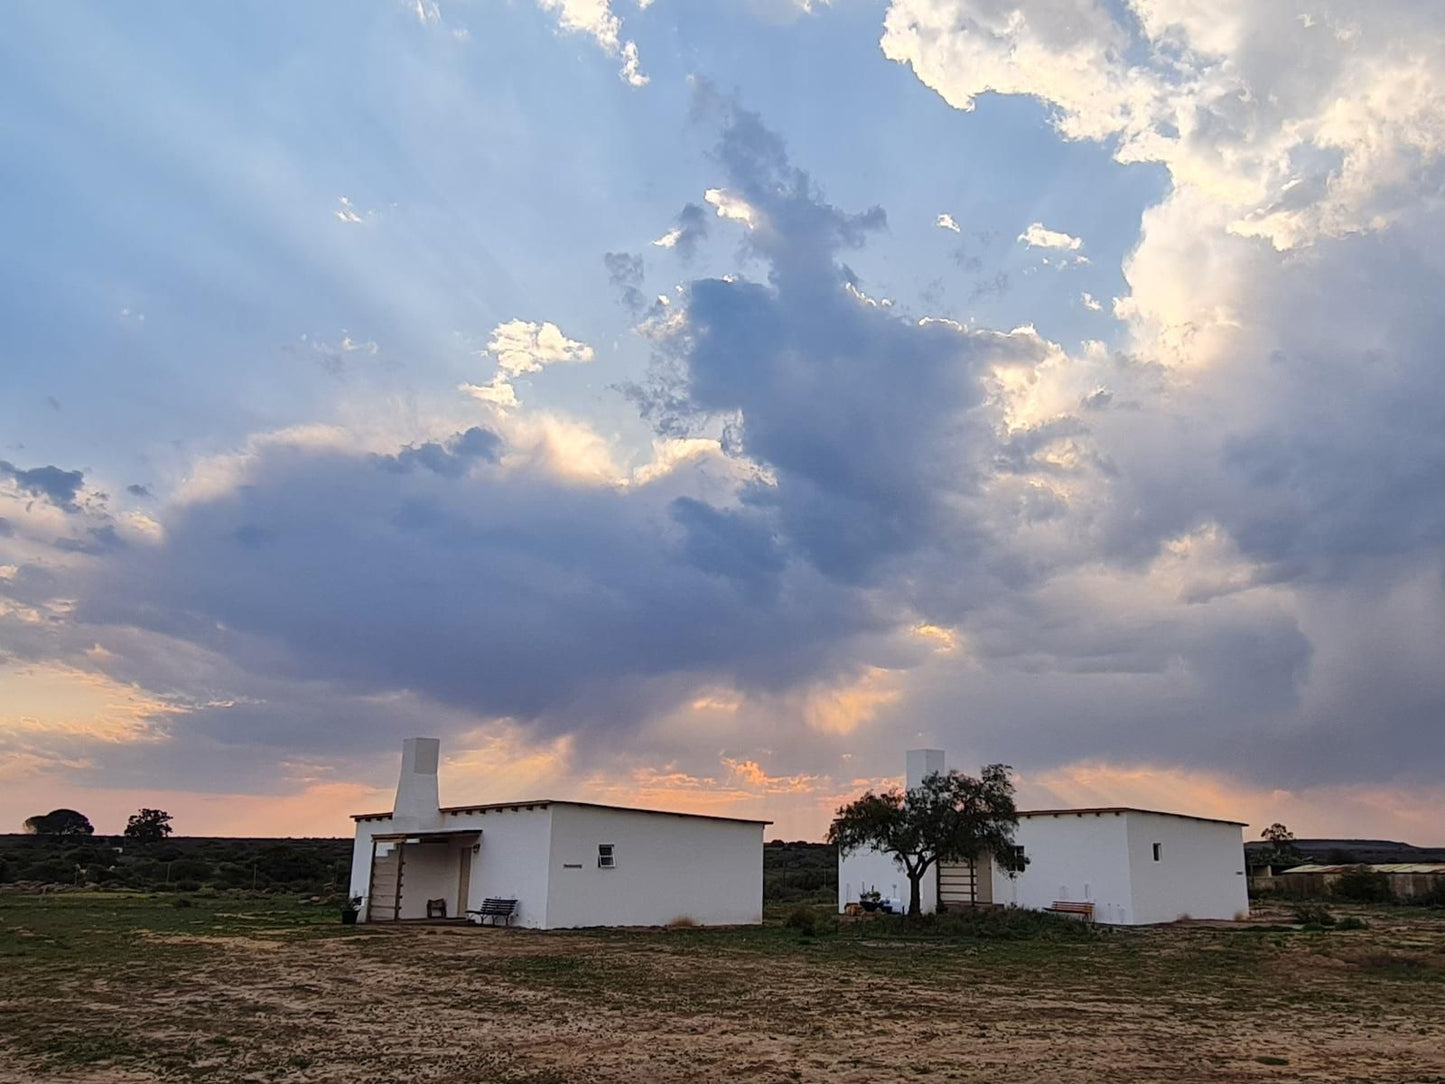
(1280,314)
(1039,236)
(519,347)
(1300,121)
(596,19)
(1216,547)
(730,205)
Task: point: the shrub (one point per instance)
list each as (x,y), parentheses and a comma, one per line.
(681,922)
(1351,922)
(1361,884)
(49,870)
(1314,914)
(992,924)
(1434,898)
(802,918)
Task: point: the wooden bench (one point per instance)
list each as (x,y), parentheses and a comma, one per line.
(495,909)
(1084,911)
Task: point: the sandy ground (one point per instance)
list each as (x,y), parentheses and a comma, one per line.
(464,1005)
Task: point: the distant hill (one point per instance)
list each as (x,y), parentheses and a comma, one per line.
(1346,851)
(181,862)
(792,872)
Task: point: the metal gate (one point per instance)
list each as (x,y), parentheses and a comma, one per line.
(962,884)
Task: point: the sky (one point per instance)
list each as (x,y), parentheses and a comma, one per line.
(697,404)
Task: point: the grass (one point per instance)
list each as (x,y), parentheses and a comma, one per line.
(262,989)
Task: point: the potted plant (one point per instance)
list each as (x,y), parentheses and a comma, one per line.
(870,901)
(349,910)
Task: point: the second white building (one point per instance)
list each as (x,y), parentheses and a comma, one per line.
(1121,865)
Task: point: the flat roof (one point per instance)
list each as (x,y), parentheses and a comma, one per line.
(542,803)
(1125,809)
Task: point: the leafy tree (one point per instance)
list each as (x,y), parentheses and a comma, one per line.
(148,826)
(1281,850)
(951,817)
(1279,835)
(59,822)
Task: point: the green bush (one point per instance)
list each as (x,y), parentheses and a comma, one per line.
(1434,898)
(50,871)
(804,919)
(1361,884)
(1314,914)
(991,924)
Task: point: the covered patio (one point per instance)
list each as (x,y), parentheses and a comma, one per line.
(421,876)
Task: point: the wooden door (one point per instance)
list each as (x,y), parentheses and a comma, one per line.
(962,884)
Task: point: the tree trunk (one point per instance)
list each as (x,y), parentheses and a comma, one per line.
(915,904)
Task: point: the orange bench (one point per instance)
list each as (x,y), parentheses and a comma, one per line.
(1085,911)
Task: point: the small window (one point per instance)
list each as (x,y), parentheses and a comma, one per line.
(1158,851)
(1013,859)
(605,859)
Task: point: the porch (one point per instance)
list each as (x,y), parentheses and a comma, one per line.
(421,876)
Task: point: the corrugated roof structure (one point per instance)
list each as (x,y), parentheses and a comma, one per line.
(1377,867)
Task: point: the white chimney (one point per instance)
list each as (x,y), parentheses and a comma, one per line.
(921,764)
(418,804)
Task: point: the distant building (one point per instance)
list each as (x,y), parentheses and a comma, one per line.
(565,863)
(1123,866)
(1406,880)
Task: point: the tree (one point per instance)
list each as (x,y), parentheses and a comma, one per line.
(1279,835)
(951,817)
(1281,850)
(148,826)
(59,822)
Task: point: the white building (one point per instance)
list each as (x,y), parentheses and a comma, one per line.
(1132,866)
(565,863)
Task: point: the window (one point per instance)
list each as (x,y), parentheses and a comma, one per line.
(1158,851)
(605,859)
(1013,859)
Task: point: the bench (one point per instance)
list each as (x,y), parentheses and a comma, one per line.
(1084,911)
(495,909)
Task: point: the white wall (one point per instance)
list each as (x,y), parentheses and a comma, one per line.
(667,867)
(1074,857)
(1200,872)
(361,855)
(870,871)
(512,862)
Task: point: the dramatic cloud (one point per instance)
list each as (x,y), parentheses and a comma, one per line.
(1203,556)
(1300,121)
(688,231)
(59,487)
